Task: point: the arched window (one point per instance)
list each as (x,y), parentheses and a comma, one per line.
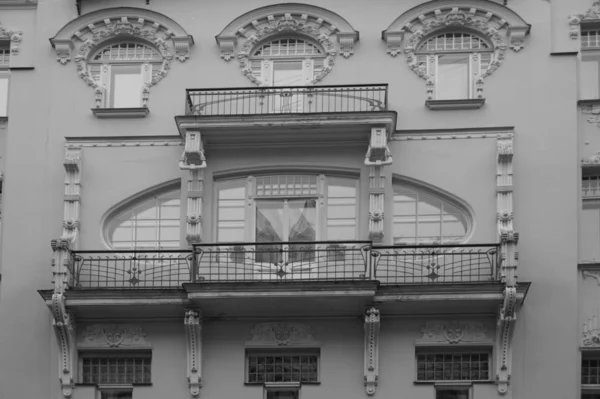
(123,72)
(287,61)
(454,61)
(422,216)
(153,223)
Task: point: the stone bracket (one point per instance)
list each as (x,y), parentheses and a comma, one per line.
(504,333)
(371,359)
(393,39)
(64,330)
(378,152)
(193,331)
(194,162)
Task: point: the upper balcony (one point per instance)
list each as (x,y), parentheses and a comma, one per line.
(248,114)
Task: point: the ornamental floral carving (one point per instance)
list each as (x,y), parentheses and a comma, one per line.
(15,38)
(281,334)
(81,37)
(591,333)
(333,33)
(99,336)
(591,109)
(453,332)
(575,20)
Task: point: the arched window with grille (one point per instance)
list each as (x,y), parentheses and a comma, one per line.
(123,72)
(454,62)
(287,61)
(424,216)
(152,222)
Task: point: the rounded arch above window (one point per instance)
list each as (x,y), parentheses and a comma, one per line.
(487,19)
(148,220)
(328,31)
(126,51)
(83,37)
(424,214)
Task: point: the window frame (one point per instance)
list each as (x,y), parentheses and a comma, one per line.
(290,352)
(113,354)
(323,181)
(453,350)
(474,70)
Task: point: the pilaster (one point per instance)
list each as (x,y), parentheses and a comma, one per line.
(194,162)
(193,331)
(378,155)
(372,323)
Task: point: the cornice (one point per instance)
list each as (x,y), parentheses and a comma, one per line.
(124,141)
(453,134)
(18,4)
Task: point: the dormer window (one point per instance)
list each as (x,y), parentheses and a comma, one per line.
(454,62)
(123,72)
(287,62)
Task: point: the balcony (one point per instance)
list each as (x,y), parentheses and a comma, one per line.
(287,100)
(298,278)
(272,114)
(289,262)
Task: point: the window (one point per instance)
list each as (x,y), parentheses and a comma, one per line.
(424,217)
(590,38)
(4,75)
(115,369)
(4,53)
(454,62)
(453,366)
(589,67)
(452,392)
(590,376)
(287,208)
(153,223)
(123,71)
(276,366)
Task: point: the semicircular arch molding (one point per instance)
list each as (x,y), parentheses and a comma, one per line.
(327,28)
(492,21)
(83,36)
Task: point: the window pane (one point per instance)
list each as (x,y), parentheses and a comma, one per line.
(126,86)
(287,73)
(589,72)
(3,96)
(302,219)
(269,221)
(452,77)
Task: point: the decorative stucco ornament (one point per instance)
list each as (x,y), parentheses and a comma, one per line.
(193,332)
(281,334)
(592,15)
(63,324)
(103,336)
(377,157)
(15,38)
(591,109)
(591,333)
(193,161)
(371,357)
(453,332)
(332,32)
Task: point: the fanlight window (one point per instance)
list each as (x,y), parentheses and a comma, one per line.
(287,62)
(424,217)
(454,63)
(123,72)
(151,224)
(590,38)
(287,47)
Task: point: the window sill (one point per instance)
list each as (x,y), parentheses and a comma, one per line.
(453,382)
(106,113)
(450,105)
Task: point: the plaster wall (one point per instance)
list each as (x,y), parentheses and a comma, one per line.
(532,91)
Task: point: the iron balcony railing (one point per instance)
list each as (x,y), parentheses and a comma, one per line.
(285,262)
(436,264)
(287,100)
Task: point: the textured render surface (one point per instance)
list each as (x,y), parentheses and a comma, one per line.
(51,102)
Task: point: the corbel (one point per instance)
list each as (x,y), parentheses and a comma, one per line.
(346,41)
(194,162)
(504,333)
(227,44)
(378,152)
(574,21)
(371,359)
(394,41)
(182,47)
(516,36)
(64,48)
(193,330)
(64,330)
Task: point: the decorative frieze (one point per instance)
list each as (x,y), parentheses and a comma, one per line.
(193,332)
(64,330)
(593,274)
(282,334)
(593,110)
(194,162)
(332,32)
(592,15)
(378,155)
(112,336)
(591,333)
(453,332)
(371,357)
(593,160)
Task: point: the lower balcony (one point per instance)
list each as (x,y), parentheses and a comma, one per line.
(329,278)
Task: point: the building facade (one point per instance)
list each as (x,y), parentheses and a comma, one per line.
(300,200)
